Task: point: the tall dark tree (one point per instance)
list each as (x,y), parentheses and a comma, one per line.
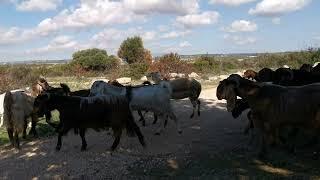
(131,50)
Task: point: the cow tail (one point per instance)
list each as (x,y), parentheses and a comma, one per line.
(7,113)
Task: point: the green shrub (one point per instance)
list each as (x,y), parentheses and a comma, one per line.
(137,70)
(94,59)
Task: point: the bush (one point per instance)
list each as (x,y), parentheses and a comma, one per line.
(17,76)
(205,64)
(137,70)
(94,59)
(22,75)
(171,63)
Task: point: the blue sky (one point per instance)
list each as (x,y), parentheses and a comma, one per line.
(54,29)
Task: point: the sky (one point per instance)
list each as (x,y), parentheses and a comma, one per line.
(54,29)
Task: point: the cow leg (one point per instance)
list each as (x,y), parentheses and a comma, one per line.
(61,133)
(198,102)
(175,119)
(260,126)
(139,134)
(82,135)
(249,124)
(142,118)
(194,105)
(160,128)
(33,126)
(166,121)
(58,147)
(155,118)
(117,135)
(48,120)
(24,134)
(10,135)
(16,139)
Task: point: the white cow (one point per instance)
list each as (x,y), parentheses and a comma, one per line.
(1,104)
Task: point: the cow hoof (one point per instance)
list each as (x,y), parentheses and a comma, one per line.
(58,148)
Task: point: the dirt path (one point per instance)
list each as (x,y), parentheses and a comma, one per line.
(210,146)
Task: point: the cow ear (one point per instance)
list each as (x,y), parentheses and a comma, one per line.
(65,88)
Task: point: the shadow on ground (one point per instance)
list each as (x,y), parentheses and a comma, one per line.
(224,152)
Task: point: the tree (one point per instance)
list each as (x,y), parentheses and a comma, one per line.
(131,50)
(147,57)
(94,59)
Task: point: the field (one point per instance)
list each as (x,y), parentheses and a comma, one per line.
(211,146)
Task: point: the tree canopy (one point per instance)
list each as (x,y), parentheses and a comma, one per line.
(132,51)
(94,59)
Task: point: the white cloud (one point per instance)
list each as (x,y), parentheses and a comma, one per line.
(15,35)
(149,35)
(230,2)
(60,43)
(175,34)
(276,20)
(185,44)
(111,38)
(163,28)
(278,7)
(108,12)
(204,18)
(38,5)
(242,26)
(162,6)
(240,40)
(89,14)
(100,13)
(171,49)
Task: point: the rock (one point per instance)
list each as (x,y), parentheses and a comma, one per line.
(144,78)
(173,75)
(193,75)
(223,76)
(124,80)
(213,78)
(180,75)
(315,64)
(286,66)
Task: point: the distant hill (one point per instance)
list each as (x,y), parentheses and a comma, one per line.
(183,57)
(64,61)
